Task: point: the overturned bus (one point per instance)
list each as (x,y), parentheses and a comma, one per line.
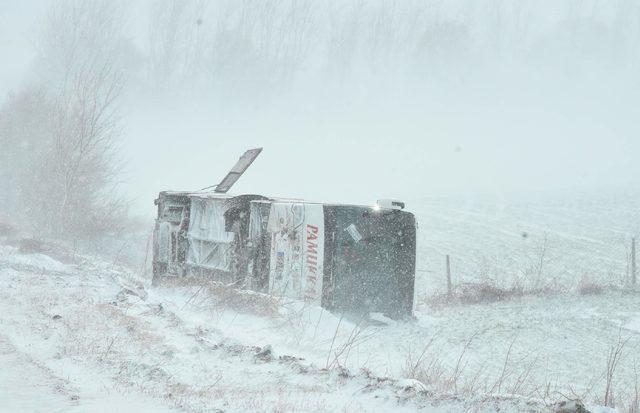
(346,258)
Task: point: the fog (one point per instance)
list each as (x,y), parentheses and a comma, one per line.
(509,283)
(355,101)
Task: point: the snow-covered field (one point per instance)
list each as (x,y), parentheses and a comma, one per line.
(91,337)
(87,335)
(541,239)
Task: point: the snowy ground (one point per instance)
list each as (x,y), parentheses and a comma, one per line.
(553,239)
(88,336)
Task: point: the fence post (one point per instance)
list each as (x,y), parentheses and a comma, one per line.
(448,275)
(633,262)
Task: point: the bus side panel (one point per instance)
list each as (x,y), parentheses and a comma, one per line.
(329,241)
(297,250)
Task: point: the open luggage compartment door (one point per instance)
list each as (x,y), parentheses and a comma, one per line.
(238,169)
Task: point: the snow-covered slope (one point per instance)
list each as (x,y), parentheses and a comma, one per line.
(87,337)
(90,336)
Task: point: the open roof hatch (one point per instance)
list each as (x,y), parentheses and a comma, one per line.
(236,172)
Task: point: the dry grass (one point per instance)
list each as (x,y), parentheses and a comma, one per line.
(514,377)
(588,287)
(484,292)
(516,380)
(241,301)
(103,331)
(56,250)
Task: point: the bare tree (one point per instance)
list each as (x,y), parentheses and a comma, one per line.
(85,115)
(66,185)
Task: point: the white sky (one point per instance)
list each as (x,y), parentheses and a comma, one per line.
(497,132)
